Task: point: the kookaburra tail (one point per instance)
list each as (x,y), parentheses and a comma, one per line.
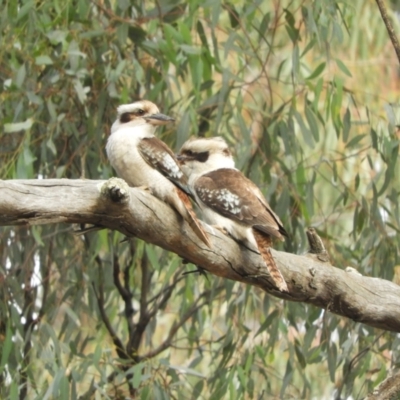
(231,201)
(141,159)
(264,244)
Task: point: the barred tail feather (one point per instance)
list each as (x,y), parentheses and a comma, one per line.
(264,244)
(192,220)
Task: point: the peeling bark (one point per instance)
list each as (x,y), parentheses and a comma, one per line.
(135,212)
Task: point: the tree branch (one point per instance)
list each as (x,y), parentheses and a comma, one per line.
(347,368)
(389,27)
(126,297)
(119,347)
(389,389)
(144,318)
(197,305)
(372,301)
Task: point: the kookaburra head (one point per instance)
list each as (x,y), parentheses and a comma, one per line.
(199,156)
(141,113)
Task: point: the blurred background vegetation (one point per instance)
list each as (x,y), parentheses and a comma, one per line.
(305,92)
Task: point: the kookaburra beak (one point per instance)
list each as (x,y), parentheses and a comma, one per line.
(189,157)
(158,119)
(181,157)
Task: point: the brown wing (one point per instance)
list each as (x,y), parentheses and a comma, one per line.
(268,208)
(229,193)
(159,156)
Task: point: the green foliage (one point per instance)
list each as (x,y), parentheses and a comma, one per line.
(305,96)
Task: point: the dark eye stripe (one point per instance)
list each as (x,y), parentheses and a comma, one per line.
(125,117)
(201,157)
(128,116)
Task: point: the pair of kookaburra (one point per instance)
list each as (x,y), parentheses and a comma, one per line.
(204,170)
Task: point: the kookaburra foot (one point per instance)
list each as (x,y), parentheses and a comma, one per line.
(115,189)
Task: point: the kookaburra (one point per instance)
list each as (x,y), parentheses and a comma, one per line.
(141,159)
(231,201)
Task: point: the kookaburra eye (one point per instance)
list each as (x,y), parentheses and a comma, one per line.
(140,112)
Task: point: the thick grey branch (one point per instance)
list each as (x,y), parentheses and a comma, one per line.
(372,301)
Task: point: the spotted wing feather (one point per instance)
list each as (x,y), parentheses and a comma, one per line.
(159,156)
(229,193)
